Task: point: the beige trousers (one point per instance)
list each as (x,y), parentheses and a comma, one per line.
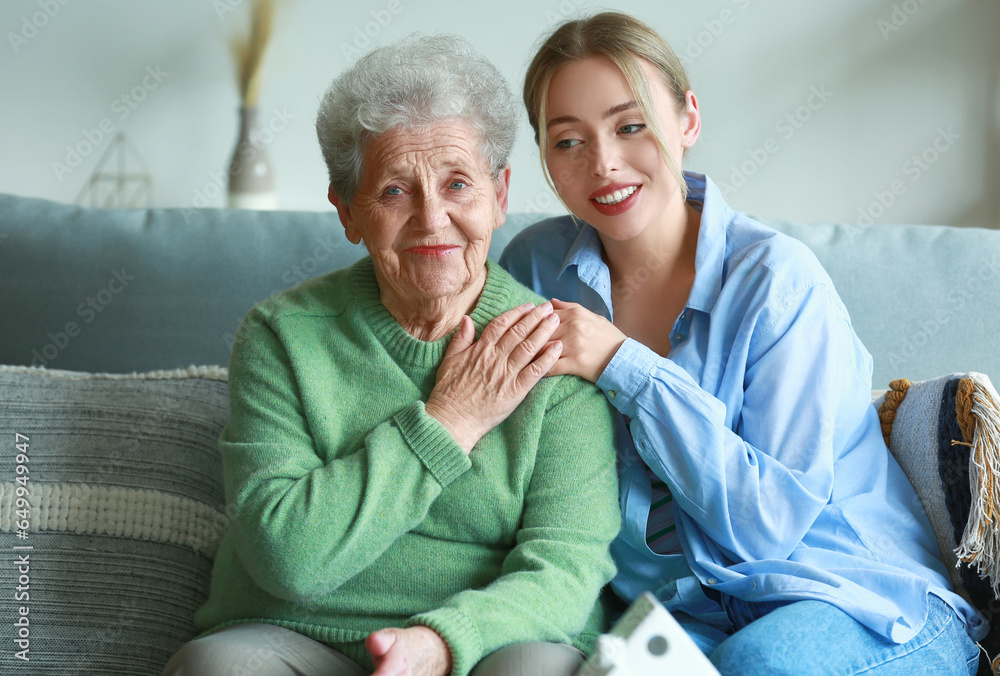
(269,650)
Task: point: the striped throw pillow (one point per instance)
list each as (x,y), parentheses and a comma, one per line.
(945,434)
(111,509)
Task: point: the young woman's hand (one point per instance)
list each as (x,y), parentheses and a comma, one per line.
(589,341)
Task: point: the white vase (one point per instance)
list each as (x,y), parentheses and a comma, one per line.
(251,179)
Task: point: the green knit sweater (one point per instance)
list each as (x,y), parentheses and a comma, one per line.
(354,510)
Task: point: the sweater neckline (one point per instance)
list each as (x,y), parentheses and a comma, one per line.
(398,342)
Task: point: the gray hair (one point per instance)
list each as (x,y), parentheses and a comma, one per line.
(417,81)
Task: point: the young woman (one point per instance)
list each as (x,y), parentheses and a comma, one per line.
(760,503)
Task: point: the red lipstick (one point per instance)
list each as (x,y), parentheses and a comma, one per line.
(618,207)
(431,250)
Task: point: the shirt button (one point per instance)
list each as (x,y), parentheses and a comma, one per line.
(612,393)
(712,580)
(678,337)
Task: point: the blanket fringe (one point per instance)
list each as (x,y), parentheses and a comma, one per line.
(980,544)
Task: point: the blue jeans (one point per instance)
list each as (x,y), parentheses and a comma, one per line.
(812,637)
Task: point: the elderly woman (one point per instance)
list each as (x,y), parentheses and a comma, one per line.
(409,498)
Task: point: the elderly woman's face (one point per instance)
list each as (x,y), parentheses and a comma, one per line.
(426,207)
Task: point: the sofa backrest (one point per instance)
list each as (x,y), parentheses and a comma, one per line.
(924,299)
(112,290)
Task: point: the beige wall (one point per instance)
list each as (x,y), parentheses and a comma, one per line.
(812,111)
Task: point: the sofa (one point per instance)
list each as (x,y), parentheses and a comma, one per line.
(116,330)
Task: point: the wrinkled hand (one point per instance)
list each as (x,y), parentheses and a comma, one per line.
(414,651)
(589,341)
(480,383)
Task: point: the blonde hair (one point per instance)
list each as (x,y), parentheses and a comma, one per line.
(624,40)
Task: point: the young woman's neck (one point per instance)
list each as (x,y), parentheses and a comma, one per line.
(662,254)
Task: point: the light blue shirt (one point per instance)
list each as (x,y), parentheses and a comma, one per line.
(760,422)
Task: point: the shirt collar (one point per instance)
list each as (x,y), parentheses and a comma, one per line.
(710,256)
(584,253)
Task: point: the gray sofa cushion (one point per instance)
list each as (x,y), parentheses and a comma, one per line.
(147,289)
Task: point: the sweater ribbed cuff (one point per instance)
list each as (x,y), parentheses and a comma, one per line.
(459,632)
(431,442)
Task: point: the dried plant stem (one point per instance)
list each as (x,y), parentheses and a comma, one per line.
(248,50)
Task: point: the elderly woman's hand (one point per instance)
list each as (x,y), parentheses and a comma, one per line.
(414,651)
(481,382)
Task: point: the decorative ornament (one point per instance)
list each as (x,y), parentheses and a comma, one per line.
(121,179)
(251,178)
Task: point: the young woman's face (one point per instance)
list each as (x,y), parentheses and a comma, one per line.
(603,159)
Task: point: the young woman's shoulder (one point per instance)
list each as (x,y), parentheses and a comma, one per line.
(542,245)
(555,234)
(783,262)
(770,279)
